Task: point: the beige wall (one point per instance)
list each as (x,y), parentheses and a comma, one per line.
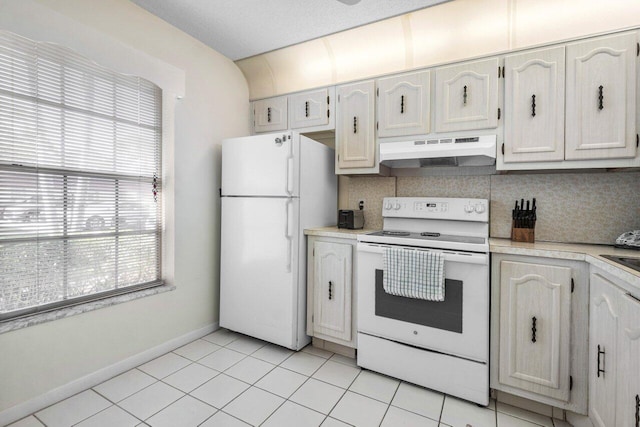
(572,207)
(38,359)
(448,32)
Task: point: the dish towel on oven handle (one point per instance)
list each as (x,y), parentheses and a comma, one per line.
(413,274)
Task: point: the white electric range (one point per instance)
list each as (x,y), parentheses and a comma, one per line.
(440,345)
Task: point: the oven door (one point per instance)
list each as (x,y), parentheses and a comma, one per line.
(458,326)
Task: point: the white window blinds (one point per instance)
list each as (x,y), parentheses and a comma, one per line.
(80,149)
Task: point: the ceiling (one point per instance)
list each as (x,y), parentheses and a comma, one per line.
(242,28)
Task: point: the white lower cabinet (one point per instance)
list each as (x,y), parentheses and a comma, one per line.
(538,329)
(614,355)
(603,324)
(535,316)
(628,394)
(330,289)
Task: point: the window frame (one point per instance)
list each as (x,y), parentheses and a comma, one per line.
(158,231)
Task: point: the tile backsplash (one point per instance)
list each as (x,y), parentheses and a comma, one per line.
(572,207)
(371,190)
(476,187)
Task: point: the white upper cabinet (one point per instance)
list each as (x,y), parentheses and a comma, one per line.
(355,136)
(534,106)
(535,320)
(270,114)
(601,98)
(404,104)
(467,96)
(312,110)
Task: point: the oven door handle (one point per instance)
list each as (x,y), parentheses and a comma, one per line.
(467,258)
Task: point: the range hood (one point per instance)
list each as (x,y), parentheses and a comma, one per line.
(449,151)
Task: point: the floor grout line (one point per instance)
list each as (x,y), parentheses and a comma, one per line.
(307,377)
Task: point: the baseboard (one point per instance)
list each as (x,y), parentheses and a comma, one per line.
(524,403)
(24,409)
(577,420)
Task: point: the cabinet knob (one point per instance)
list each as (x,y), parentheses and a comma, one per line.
(533,105)
(600,371)
(600,97)
(533,329)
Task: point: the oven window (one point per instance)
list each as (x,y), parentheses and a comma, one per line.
(445,315)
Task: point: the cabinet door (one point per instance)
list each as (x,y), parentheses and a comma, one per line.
(535,316)
(601,98)
(628,361)
(603,333)
(403,104)
(467,96)
(534,106)
(332,290)
(270,114)
(355,139)
(309,109)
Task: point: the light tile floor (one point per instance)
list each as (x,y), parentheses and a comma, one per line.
(227,379)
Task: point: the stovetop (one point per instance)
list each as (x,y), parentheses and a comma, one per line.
(438,223)
(430,236)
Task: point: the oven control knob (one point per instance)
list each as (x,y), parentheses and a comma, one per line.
(480,208)
(396,206)
(469,208)
(387,205)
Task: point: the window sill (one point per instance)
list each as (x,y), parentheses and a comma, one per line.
(37,319)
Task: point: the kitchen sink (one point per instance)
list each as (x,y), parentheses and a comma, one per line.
(627,261)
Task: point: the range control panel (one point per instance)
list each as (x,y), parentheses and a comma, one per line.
(436,208)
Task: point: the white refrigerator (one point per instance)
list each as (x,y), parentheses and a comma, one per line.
(273,187)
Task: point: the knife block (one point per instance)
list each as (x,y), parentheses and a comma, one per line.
(527,235)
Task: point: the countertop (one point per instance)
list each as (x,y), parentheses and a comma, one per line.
(574,251)
(340,233)
(571,251)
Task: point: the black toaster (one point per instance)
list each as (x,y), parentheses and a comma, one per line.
(348,218)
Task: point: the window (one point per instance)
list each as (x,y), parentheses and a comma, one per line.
(80,208)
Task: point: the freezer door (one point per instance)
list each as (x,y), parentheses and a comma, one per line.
(259,281)
(261,165)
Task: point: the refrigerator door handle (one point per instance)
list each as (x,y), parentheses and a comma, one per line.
(289,188)
(288,234)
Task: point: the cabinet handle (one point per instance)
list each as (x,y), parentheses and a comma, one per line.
(533,105)
(402,104)
(600,97)
(330,291)
(306,109)
(637,410)
(464,95)
(533,329)
(355,124)
(600,352)
(269,114)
